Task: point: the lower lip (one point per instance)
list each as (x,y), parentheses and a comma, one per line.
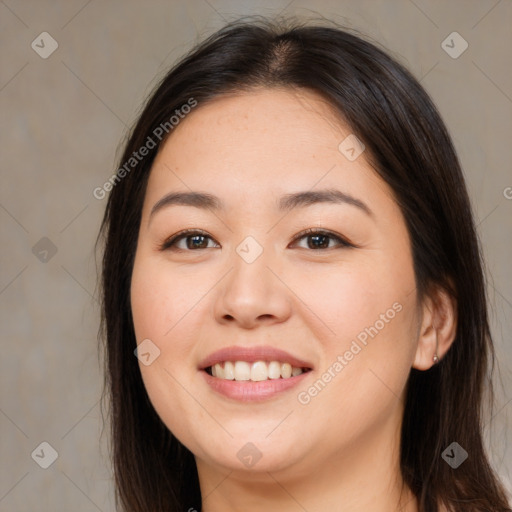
(250,391)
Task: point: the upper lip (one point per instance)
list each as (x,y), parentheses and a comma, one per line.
(251,355)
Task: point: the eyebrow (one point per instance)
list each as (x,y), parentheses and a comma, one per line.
(285,203)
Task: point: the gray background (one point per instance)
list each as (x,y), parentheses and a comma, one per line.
(63,119)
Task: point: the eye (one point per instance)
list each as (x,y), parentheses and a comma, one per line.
(194,239)
(319,239)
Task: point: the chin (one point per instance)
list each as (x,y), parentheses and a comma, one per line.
(255,454)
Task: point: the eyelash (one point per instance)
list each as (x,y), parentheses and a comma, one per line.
(171,242)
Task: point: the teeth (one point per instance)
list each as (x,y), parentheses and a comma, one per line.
(296,371)
(219,371)
(274,370)
(229,371)
(258,371)
(242,370)
(286,370)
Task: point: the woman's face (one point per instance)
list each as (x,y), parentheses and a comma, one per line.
(254,294)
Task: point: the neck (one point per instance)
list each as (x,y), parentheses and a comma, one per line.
(362,476)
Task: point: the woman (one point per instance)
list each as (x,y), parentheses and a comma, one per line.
(291,255)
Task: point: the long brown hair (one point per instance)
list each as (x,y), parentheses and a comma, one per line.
(409,147)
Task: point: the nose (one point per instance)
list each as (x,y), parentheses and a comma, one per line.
(252,294)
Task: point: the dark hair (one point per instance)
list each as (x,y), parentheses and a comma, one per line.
(409,147)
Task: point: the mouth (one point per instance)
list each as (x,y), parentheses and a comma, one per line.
(256,373)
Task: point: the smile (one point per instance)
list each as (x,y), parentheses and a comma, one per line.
(255,373)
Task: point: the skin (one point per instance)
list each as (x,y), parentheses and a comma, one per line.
(343,446)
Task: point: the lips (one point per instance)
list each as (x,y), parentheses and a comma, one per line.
(258,380)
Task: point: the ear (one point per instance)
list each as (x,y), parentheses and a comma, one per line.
(438,326)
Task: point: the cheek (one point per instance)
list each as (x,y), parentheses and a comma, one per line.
(164,308)
(370,344)
(354,298)
(164,299)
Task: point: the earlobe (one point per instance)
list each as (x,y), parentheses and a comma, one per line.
(438,329)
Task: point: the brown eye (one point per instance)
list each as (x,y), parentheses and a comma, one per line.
(193,240)
(320,239)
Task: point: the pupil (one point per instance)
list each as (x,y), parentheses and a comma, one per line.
(316,237)
(194,238)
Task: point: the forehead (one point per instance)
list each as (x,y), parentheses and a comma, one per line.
(259,143)
(239,124)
